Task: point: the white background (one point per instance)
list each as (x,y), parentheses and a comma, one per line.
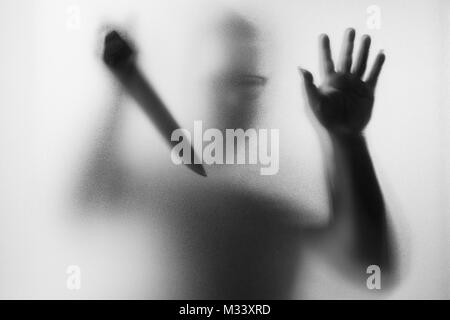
(55,90)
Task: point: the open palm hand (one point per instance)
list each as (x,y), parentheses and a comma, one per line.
(343,102)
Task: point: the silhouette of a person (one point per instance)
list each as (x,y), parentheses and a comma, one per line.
(231,240)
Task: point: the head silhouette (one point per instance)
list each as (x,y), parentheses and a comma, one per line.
(232,72)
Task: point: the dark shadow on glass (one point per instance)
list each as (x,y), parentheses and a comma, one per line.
(237,87)
(119,56)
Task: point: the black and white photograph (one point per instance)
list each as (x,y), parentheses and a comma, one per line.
(225,150)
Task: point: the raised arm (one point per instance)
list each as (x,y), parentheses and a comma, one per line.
(343,105)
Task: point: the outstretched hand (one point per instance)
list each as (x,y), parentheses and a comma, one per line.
(343,102)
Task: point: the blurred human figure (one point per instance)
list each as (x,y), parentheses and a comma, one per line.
(229,240)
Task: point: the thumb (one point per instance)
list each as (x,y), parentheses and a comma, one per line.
(311,90)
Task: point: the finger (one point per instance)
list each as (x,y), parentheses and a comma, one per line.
(311,90)
(326,60)
(361,63)
(376,69)
(345,60)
